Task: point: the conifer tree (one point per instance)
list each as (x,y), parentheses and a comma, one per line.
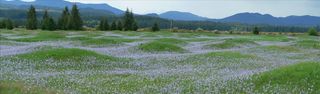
(119,26)
(155,27)
(63,20)
(256,31)
(51,24)
(113,26)
(104,25)
(32,19)
(45,20)
(135,26)
(9,24)
(75,22)
(2,24)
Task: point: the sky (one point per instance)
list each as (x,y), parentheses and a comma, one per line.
(217,8)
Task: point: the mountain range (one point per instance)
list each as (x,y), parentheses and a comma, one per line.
(247,18)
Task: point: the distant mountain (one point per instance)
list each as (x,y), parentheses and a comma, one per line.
(183,16)
(152,15)
(62,3)
(257,18)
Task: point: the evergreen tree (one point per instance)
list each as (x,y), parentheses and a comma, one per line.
(155,27)
(75,21)
(114,25)
(256,31)
(63,20)
(104,25)
(31,19)
(45,21)
(313,32)
(119,26)
(51,24)
(9,24)
(127,21)
(135,26)
(2,24)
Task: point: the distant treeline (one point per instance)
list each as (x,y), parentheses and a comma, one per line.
(93,19)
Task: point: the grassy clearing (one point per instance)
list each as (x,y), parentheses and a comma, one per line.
(280,49)
(64,54)
(308,44)
(160,47)
(44,36)
(232,43)
(100,42)
(172,41)
(280,38)
(299,77)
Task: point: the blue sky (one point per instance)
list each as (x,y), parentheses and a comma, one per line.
(217,8)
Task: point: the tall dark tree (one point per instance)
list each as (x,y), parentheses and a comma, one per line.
(47,22)
(119,26)
(75,22)
(155,27)
(103,25)
(113,26)
(32,21)
(135,26)
(2,24)
(63,20)
(256,31)
(9,24)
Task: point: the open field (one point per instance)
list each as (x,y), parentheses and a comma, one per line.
(157,62)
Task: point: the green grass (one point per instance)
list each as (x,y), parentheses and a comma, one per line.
(44,36)
(10,87)
(281,38)
(308,44)
(64,54)
(232,43)
(280,48)
(160,47)
(299,76)
(172,41)
(105,41)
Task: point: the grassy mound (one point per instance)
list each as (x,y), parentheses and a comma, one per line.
(280,49)
(44,36)
(308,44)
(105,41)
(296,78)
(65,54)
(172,41)
(160,47)
(232,43)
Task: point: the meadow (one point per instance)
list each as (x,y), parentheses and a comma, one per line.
(97,62)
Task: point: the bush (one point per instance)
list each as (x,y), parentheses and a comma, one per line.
(313,32)
(256,31)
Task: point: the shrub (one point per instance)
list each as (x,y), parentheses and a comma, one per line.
(313,32)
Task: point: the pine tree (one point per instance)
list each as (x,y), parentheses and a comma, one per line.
(45,20)
(104,25)
(155,27)
(51,24)
(75,22)
(256,31)
(2,24)
(119,26)
(31,19)
(113,26)
(63,20)
(127,22)
(9,24)
(135,26)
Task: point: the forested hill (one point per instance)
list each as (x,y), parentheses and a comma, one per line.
(92,16)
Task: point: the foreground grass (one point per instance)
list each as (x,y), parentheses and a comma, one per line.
(308,44)
(64,54)
(9,87)
(303,77)
(44,36)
